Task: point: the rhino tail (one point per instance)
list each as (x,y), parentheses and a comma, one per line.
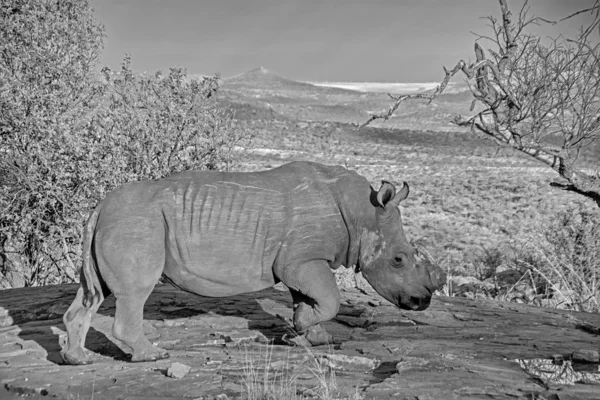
(90,280)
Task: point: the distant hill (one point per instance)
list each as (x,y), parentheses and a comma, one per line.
(456,97)
(395,88)
(266,80)
(262,95)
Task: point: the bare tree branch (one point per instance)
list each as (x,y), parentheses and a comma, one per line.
(534,94)
(399,99)
(593,8)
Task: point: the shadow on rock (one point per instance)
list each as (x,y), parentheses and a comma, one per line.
(222,320)
(383,371)
(35,315)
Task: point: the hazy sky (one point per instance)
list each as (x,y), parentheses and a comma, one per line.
(319,40)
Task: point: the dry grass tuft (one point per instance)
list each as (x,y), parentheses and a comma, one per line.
(557,265)
(265,379)
(565,255)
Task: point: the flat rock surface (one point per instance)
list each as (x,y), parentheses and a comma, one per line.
(456,349)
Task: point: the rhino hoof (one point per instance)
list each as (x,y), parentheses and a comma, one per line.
(314,336)
(75,357)
(317,336)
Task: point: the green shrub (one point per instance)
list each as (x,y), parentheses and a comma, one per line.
(565,254)
(557,264)
(153,126)
(488,260)
(68,136)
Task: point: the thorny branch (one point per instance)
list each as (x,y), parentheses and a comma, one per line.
(399,99)
(540,99)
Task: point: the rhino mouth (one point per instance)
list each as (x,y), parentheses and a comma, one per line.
(414,303)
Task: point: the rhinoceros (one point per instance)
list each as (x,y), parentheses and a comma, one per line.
(220,234)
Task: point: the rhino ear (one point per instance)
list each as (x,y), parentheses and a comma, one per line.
(402,194)
(386,193)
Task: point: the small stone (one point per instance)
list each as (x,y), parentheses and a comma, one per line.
(586,356)
(178,370)
(557,359)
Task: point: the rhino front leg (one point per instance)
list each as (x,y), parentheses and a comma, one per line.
(316,299)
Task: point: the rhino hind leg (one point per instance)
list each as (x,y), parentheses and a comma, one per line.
(127,328)
(77,321)
(316,299)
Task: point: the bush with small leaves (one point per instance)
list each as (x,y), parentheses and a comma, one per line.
(69,135)
(569,246)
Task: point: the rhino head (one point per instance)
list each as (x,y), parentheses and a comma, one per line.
(387,260)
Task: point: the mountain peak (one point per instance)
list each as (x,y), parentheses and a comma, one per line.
(263,78)
(255,73)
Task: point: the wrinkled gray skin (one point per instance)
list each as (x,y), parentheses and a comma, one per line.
(218,234)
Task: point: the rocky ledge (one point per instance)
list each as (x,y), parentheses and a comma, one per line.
(456,349)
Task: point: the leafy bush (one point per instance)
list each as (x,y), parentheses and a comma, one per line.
(68,136)
(567,250)
(489,260)
(48,51)
(555,265)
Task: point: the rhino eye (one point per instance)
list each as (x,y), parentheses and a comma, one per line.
(399,261)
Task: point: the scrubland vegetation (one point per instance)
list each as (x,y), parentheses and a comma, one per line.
(70,133)
(265,379)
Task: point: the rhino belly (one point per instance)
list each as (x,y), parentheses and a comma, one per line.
(223,242)
(218,270)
